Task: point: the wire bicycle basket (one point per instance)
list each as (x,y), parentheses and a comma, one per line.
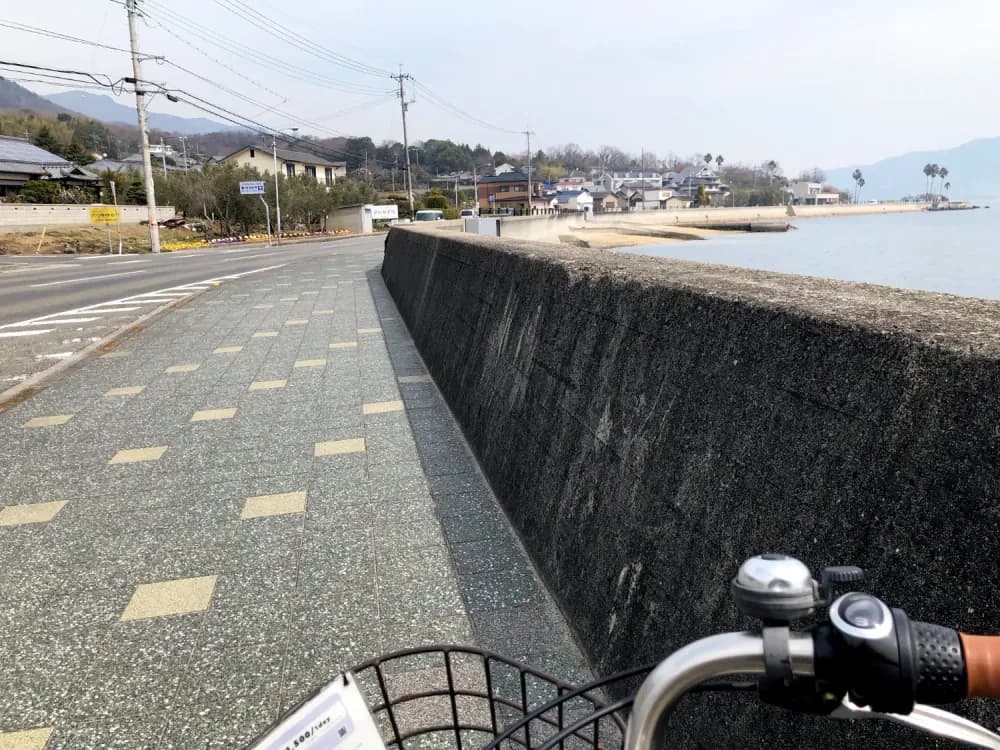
(469,698)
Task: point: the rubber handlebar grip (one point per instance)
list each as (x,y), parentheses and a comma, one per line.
(982,665)
(940,666)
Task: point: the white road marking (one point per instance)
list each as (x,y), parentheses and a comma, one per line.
(60,321)
(87,278)
(58,355)
(12,334)
(126,262)
(118,309)
(137,299)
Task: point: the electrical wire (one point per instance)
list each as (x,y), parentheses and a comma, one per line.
(57,35)
(441,103)
(260,21)
(259,58)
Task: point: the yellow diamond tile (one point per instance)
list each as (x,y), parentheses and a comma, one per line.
(128,390)
(264,334)
(339,447)
(207,415)
(26,739)
(135,455)
(164,598)
(369,330)
(309,363)
(379,407)
(296,322)
(344,345)
(228,350)
(266,385)
(183,368)
(17,515)
(52,421)
(274,505)
(415,379)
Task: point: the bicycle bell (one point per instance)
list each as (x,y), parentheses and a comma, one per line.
(775,588)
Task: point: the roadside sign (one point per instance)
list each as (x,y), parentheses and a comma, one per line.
(103,215)
(252,188)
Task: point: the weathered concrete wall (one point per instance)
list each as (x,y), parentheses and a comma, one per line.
(648,424)
(19,217)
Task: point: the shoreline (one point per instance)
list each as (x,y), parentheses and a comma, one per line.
(692,224)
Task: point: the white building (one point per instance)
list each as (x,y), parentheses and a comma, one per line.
(575,201)
(503,169)
(811,194)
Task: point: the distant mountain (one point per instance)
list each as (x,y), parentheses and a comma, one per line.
(973,171)
(15,97)
(106,109)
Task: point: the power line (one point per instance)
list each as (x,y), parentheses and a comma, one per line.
(453,109)
(293,38)
(262,59)
(57,35)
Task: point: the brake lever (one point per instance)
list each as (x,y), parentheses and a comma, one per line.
(927,719)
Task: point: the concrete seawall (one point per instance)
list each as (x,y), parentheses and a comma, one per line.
(648,424)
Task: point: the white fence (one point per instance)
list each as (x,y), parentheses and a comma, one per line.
(17,217)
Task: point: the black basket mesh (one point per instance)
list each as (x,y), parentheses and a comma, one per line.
(466,698)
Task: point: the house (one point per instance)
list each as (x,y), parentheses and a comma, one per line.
(691,179)
(615,181)
(605,202)
(575,181)
(509,190)
(805,193)
(21,161)
(575,201)
(504,168)
(290,163)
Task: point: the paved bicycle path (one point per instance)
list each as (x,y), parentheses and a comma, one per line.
(261,489)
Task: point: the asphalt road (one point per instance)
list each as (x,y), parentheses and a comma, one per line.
(32,287)
(53,306)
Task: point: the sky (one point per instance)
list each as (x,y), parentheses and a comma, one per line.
(828,84)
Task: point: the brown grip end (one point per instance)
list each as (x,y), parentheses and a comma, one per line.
(982,665)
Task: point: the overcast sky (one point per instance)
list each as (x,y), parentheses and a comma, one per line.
(829,84)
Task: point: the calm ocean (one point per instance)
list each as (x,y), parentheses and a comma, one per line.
(957,252)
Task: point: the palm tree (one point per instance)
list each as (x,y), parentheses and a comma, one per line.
(935,171)
(708,159)
(718,160)
(943,174)
(856,174)
(947,187)
(771,167)
(928,169)
(861,184)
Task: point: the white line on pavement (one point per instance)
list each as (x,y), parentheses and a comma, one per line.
(54,321)
(137,299)
(87,278)
(12,334)
(119,309)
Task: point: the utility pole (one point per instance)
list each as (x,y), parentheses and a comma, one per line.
(406,143)
(277,193)
(456,191)
(140,108)
(163,156)
(527,134)
(183,139)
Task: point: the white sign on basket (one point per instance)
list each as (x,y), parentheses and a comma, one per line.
(336,718)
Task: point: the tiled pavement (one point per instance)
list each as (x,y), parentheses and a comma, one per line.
(261,489)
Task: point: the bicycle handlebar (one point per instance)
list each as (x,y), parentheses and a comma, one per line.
(982,665)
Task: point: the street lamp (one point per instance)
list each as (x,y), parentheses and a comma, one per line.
(277,199)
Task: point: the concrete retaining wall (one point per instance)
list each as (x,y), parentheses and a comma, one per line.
(19,217)
(647,424)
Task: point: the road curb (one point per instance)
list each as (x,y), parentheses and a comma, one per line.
(39,381)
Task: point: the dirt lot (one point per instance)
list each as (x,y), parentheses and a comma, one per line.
(90,239)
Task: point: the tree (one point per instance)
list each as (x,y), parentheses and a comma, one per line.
(702,199)
(708,159)
(772,170)
(435,199)
(40,191)
(856,174)
(135,194)
(45,140)
(928,168)
(861,184)
(718,160)
(935,171)
(943,174)
(947,187)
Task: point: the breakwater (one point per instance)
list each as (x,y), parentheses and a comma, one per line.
(647,424)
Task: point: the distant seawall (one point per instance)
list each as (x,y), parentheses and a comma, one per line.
(647,424)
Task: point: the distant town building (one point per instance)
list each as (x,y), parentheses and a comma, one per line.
(290,163)
(615,181)
(688,182)
(504,168)
(605,202)
(575,201)
(575,181)
(508,190)
(811,194)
